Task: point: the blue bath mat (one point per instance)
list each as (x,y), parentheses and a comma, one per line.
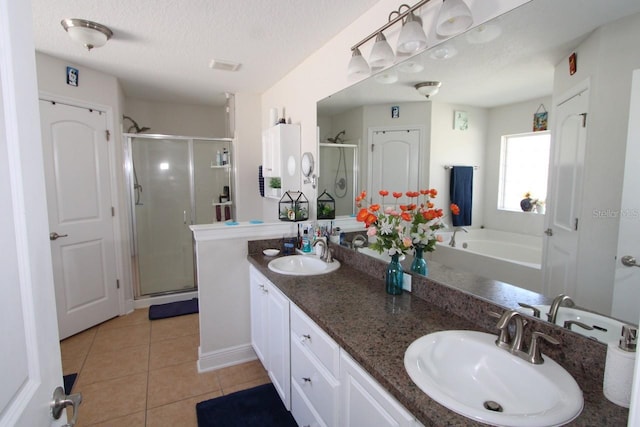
(173,309)
(69,381)
(256,407)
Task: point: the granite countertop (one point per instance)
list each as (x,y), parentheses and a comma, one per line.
(376,328)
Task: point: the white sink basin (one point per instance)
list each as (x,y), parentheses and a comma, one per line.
(604,329)
(465,371)
(302,265)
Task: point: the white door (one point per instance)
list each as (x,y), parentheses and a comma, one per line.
(626,291)
(30,367)
(76,164)
(565,194)
(395,160)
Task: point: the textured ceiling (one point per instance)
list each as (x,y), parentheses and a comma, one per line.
(517,66)
(161,49)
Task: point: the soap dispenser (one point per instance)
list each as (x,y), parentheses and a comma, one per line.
(619,366)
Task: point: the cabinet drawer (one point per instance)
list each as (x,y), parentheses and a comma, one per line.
(302,411)
(315,340)
(316,383)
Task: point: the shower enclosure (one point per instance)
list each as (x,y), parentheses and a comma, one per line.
(339,174)
(174,182)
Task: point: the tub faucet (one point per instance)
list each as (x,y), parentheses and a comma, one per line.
(559,301)
(452,242)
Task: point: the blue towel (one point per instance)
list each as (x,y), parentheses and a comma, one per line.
(461,192)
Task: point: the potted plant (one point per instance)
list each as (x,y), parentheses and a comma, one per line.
(275,184)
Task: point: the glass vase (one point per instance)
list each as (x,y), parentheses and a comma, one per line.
(395,276)
(419,264)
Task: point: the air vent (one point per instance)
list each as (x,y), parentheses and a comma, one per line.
(223,65)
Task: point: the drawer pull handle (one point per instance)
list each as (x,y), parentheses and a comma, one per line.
(305,337)
(306,379)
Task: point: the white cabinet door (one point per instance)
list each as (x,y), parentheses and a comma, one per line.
(271,153)
(278,353)
(258,295)
(365,402)
(270,332)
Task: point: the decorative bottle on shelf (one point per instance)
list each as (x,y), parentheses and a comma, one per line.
(225,157)
(395,276)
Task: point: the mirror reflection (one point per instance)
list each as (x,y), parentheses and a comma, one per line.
(339,172)
(499,75)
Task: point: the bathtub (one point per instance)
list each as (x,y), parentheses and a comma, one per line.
(499,255)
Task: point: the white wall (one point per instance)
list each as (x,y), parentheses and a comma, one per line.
(451,147)
(176,119)
(508,120)
(608,58)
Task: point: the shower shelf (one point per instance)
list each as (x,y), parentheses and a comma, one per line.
(220,166)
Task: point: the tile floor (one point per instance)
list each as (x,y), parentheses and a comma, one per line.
(135,372)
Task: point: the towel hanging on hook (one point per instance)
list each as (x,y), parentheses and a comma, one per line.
(540,119)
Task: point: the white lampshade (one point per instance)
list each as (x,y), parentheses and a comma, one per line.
(381,54)
(412,37)
(357,65)
(454,17)
(87,33)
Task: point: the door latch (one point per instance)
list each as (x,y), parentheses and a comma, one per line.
(54,235)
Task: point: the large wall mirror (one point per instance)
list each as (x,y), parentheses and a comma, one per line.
(499,75)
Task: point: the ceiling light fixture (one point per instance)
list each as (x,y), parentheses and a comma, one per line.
(454,17)
(428,89)
(87,33)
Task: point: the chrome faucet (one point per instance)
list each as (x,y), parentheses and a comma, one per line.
(327,255)
(559,301)
(452,242)
(514,345)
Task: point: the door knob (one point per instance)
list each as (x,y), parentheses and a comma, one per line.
(629,261)
(61,401)
(54,235)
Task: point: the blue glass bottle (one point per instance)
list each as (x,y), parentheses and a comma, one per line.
(419,264)
(395,276)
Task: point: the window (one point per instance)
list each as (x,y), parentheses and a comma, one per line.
(524,166)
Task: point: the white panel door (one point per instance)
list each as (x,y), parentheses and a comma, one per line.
(565,195)
(30,367)
(395,159)
(626,290)
(76,162)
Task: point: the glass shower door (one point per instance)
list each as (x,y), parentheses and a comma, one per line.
(162,214)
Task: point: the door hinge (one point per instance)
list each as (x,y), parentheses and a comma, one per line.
(584,120)
(108,134)
(117,283)
(575,224)
(113,211)
(372,145)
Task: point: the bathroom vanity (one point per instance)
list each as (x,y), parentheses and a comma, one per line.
(360,335)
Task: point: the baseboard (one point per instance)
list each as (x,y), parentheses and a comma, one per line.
(163,299)
(225,357)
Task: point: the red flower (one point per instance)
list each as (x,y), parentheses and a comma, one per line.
(412,194)
(374,208)
(404,208)
(371,218)
(362,215)
(455,209)
(424,192)
(406,216)
(383,193)
(397,195)
(433,192)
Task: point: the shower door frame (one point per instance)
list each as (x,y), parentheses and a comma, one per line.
(128,166)
(356,164)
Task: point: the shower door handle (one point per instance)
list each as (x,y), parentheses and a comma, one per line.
(184,217)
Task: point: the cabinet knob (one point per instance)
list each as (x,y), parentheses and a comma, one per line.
(306,379)
(305,337)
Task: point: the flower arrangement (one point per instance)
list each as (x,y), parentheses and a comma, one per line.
(401,227)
